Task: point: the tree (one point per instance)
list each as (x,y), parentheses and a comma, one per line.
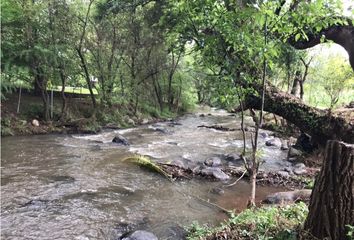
(332,201)
(333,74)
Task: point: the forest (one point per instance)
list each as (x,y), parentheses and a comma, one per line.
(229,119)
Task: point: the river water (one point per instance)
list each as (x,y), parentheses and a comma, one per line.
(78,187)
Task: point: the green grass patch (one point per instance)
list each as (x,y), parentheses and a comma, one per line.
(271,222)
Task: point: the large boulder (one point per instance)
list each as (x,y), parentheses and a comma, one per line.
(119,139)
(141,235)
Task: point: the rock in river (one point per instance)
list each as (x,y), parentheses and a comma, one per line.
(216,173)
(273,142)
(141,235)
(288,197)
(232,157)
(119,139)
(213,162)
(293,152)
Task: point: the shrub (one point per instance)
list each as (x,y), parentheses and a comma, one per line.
(275,222)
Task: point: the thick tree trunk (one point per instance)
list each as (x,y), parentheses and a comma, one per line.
(332,200)
(321,125)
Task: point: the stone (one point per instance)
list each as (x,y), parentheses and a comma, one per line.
(179,163)
(300,171)
(284,174)
(273,142)
(300,165)
(217,191)
(293,152)
(284,145)
(174,123)
(212,162)
(304,143)
(119,139)
(232,157)
(288,169)
(131,122)
(145,121)
(264,135)
(35,123)
(162,130)
(216,173)
(141,235)
(288,197)
(292,159)
(202,115)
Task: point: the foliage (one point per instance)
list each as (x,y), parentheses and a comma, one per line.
(331,78)
(275,222)
(120,46)
(350,231)
(146,162)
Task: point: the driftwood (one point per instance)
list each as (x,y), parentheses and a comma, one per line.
(218,127)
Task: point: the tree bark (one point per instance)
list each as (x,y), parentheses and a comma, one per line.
(342,35)
(321,125)
(332,201)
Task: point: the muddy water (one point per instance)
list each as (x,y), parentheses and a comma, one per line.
(77,187)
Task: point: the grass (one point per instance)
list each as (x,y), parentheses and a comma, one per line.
(271,222)
(317,97)
(77,90)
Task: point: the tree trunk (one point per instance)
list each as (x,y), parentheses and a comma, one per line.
(87,76)
(295,90)
(332,200)
(64,100)
(317,123)
(252,199)
(41,83)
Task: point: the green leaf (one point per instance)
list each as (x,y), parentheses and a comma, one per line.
(297,36)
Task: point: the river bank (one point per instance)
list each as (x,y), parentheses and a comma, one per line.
(27,118)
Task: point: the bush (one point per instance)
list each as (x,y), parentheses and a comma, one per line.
(276,222)
(35,110)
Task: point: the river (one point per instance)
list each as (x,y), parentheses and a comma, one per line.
(78,187)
